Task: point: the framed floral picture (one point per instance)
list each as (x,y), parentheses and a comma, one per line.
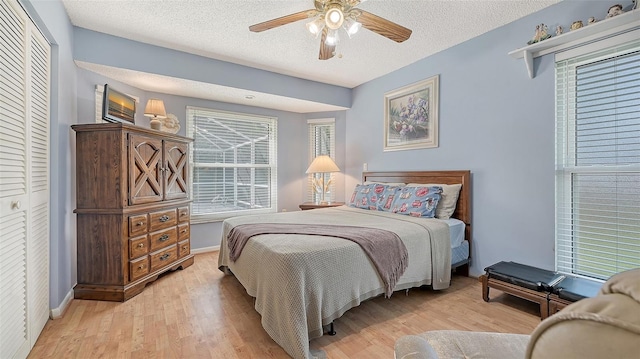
(411,116)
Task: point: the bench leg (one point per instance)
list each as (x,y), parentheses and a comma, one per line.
(544,309)
(485,287)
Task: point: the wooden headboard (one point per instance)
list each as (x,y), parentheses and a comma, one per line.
(463,207)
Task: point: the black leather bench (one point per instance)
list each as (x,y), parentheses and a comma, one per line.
(552,290)
(571,289)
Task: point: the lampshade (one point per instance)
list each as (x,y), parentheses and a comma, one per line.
(334,17)
(332,38)
(322,164)
(155,109)
(315,26)
(351,26)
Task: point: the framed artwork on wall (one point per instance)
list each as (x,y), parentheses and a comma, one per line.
(411,116)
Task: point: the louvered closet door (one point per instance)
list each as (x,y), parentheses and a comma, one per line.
(38,219)
(24,181)
(14,339)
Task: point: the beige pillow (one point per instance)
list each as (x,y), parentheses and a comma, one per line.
(447,204)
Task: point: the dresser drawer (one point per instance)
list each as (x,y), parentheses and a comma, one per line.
(138,225)
(163,219)
(183,214)
(163,238)
(163,257)
(184,248)
(138,247)
(138,268)
(184,231)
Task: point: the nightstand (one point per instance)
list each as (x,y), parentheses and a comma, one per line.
(312,205)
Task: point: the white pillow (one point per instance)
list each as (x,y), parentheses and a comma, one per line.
(447,204)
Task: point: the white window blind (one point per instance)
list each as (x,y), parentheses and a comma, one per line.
(234,164)
(322,141)
(598,162)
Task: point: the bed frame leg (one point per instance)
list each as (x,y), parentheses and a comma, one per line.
(331,331)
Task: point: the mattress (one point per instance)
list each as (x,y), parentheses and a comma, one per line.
(456,231)
(460,253)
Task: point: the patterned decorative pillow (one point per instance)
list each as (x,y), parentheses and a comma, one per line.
(387,197)
(448,201)
(367,196)
(417,201)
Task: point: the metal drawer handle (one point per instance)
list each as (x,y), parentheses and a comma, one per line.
(163,237)
(141,266)
(184,248)
(184,231)
(140,224)
(15,204)
(165,256)
(164,218)
(183,214)
(141,245)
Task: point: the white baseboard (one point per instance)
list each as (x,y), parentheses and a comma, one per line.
(56,313)
(205,249)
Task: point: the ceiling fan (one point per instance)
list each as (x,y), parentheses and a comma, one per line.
(330,15)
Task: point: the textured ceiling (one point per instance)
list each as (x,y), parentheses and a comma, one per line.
(219,29)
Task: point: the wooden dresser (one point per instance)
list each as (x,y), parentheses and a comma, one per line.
(132,210)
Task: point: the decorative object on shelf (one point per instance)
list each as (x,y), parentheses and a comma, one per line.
(615,10)
(559,30)
(541,34)
(155,110)
(322,164)
(170,123)
(411,116)
(591,20)
(117,107)
(576,25)
(599,30)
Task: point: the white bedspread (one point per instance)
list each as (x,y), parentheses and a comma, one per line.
(302,282)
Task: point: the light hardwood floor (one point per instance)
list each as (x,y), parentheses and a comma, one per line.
(200,313)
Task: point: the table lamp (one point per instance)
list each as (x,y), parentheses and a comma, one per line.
(322,164)
(155,110)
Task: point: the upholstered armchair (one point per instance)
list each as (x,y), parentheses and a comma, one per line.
(605,326)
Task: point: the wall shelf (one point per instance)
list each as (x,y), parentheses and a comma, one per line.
(601,29)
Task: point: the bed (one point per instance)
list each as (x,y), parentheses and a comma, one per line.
(302,283)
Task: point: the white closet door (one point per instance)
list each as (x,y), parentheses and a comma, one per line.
(38,219)
(14,336)
(24,181)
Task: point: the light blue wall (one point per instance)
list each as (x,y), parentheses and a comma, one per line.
(99,48)
(493,120)
(51,18)
(496,122)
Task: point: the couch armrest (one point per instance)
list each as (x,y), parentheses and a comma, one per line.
(414,347)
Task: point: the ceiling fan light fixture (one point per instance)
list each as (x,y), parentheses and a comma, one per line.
(315,26)
(334,17)
(351,26)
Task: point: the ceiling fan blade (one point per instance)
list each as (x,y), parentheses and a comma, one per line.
(287,19)
(383,26)
(326,51)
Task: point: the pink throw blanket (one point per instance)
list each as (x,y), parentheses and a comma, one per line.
(385,249)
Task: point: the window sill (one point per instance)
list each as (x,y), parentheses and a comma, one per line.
(599,30)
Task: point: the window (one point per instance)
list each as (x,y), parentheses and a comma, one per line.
(598,160)
(233,164)
(322,141)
